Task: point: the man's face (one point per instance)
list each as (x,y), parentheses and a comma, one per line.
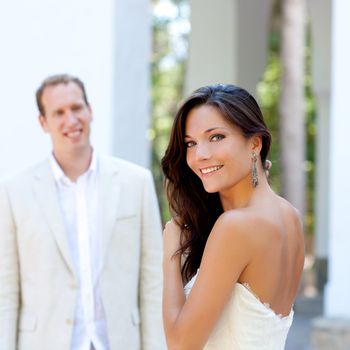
(67,117)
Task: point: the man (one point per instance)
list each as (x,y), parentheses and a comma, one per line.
(80,241)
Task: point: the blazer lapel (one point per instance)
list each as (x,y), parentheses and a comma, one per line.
(108,200)
(46,194)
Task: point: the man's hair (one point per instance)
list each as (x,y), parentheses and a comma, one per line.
(54,80)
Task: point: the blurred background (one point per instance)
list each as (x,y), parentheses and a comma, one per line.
(140,58)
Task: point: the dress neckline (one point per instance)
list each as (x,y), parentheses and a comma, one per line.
(245,286)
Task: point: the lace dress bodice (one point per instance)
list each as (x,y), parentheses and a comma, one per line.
(247,324)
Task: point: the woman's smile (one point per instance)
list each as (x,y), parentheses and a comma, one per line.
(210,170)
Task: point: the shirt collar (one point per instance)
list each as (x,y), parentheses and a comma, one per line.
(58,173)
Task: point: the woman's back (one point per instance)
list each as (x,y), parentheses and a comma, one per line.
(275,269)
(259,312)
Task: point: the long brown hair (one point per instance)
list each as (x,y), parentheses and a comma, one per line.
(194,209)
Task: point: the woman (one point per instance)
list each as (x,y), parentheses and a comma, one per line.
(237,244)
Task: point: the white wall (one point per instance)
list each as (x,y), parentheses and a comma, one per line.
(82,37)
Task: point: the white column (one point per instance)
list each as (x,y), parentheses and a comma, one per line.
(132,50)
(212,46)
(320,13)
(224,46)
(332,331)
(252,40)
(338,288)
(105,43)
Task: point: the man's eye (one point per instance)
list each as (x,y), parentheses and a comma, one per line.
(190,144)
(217,137)
(77,108)
(59,113)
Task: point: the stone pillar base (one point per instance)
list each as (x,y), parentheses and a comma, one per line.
(321,271)
(330,333)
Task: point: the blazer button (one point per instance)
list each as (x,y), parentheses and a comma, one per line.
(69,321)
(73,286)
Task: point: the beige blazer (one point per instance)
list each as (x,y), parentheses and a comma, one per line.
(38,288)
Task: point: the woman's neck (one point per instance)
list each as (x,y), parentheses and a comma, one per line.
(244,194)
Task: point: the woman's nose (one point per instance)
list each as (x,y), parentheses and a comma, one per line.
(202,152)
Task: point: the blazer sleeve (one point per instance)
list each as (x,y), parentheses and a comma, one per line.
(152,333)
(9,279)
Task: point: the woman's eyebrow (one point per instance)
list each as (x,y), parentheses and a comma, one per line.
(210,129)
(215,128)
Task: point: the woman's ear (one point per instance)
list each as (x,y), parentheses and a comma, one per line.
(256,143)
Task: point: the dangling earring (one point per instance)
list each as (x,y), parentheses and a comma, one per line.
(255,179)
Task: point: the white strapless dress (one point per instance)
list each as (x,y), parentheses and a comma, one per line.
(247,323)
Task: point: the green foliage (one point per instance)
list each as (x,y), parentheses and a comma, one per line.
(310,124)
(168,70)
(268,91)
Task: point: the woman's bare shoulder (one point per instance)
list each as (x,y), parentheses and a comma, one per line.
(248,219)
(240,224)
(255,226)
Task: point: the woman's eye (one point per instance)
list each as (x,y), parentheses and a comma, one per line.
(190,144)
(217,137)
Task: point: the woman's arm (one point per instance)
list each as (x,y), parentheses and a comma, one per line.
(173,293)
(189,322)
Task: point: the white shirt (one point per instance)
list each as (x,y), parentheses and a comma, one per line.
(78,201)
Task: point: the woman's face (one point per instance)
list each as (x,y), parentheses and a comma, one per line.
(216,150)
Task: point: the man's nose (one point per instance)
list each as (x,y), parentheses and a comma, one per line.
(71,118)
